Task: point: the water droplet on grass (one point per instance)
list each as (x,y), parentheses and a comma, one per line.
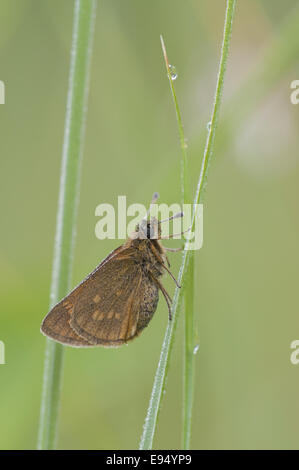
(173,72)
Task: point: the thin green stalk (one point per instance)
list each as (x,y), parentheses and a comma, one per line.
(171,77)
(159,381)
(84,14)
(189,356)
(188,376)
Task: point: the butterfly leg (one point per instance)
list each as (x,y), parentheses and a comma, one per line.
(167,261)
(165,293)
(176,282)
(174,250)
(163,265)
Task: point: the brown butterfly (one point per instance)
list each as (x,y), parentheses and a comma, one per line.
(118,299)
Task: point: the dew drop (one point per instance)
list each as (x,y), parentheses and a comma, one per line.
(195,350)
(209,125)
(173,72)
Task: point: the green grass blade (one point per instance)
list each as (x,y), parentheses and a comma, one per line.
(188,375)
(189,357)
(84,15)
(184,172)
(159,380)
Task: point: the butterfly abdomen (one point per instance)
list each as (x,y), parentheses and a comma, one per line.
(148,305)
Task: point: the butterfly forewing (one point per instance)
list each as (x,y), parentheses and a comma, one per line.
(107,311)
(56,324)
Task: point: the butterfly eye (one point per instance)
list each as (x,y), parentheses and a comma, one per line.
(150,231)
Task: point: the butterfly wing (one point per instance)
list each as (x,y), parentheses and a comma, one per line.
(106,313)
(56,324)
(57,327)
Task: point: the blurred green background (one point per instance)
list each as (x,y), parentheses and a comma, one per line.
(247,314)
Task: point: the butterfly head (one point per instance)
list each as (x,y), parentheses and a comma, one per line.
(147,229)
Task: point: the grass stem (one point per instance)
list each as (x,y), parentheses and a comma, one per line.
(188,375)
(149,428)
(84,14)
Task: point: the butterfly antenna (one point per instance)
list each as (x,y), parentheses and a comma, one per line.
(175,216)
(153,201)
